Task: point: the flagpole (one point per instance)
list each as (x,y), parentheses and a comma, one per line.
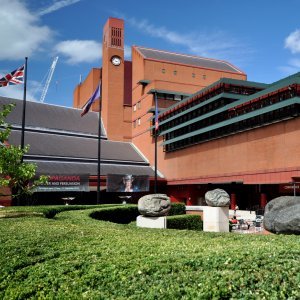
(99,148)
(155,138)
(24,107)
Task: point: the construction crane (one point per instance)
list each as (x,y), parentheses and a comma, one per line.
(51,71)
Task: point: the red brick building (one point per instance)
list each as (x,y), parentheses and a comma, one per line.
(216,128)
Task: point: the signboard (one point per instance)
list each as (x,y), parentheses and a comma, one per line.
(289,188)
(127,183)
(65,183)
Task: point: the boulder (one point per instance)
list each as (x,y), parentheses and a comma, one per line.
(217,198)
(282,215)
(154,205)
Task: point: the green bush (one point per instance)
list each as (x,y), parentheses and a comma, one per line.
(51,211)
(118,214)
(191,222)
(76,257)
(177,209)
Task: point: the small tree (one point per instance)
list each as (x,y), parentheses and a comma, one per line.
(14,173)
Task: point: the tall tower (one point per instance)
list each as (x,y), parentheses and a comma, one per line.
(113,65)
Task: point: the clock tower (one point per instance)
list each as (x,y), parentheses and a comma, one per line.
(115,117)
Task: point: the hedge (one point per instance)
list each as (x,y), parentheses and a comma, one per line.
(117,214)
(177,209)
(76,257)
(191,222)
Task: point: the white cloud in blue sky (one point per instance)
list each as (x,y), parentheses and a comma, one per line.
(215,43)
(292,42)
(21,33)
(79,51)
(72,29)
(56,6)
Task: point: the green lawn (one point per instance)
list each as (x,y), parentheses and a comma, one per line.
(75,257)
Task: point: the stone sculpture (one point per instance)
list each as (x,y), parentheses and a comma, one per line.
(217,198)
(154,205)
(282,215)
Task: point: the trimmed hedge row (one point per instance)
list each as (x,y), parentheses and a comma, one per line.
(48,212)
(129,213)
(177,209)
(117,214)
(190,222)
(52,211)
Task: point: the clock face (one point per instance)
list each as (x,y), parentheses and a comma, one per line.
(116,60)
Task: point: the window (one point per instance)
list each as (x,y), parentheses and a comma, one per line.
(204,76)
(134,123)
(134,107)
(193,75)
(163,71)
(175,72)
(139,105)
(139,121)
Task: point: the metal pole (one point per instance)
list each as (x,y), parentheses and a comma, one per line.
(155,155)
(24,107)
(99,148)
(294,189)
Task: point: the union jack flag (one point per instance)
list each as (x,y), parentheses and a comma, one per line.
(13,78)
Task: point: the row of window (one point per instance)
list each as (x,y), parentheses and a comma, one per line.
(137,106)
(136,122)
(291,111)
(225,88)
(175,73)
(221,116)
(196,113)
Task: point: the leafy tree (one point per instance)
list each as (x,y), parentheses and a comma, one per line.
(14,173)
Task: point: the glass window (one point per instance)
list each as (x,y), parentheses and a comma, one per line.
(134,107)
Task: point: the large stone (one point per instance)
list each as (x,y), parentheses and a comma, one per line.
(154,205)
(282,215)
(217,198)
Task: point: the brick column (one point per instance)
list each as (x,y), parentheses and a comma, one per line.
(263,200)
(232,201)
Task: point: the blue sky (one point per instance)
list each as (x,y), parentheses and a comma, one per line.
(262,38)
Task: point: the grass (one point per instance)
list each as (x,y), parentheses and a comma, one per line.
(76,257)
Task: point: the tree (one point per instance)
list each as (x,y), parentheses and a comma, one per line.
(14,173)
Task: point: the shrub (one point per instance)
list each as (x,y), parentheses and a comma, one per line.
(51,211)
(117,214)
(191,222)
(177,209)
(77,257)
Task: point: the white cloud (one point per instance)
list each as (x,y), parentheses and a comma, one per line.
(216,44)
(80,51)
(20,33)
(56,6)
(17,92)
(292,42)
